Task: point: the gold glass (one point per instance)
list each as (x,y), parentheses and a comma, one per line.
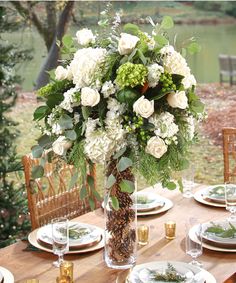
(66,269)
(170,227)
(143,234)
(32,281)
(64,279)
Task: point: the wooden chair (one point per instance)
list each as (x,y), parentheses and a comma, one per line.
(225,68)
(229,152)
(50,196)
(233,69)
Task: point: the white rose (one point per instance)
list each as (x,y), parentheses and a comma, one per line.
(178,99)
(156,147)
(61,145)
(61,73)
(89,97)
(127,43)
(85,36)
(144,107)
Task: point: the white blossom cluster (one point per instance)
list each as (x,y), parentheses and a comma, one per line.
(165,126)
(189,134)
(154,73)
(70,100)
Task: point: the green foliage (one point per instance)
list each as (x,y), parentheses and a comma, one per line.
(222,232)
(13,215)
(124,163)
(127,186)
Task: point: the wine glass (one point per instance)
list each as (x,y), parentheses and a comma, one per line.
(60,238)
(230,200)
(188,181)
(194,248)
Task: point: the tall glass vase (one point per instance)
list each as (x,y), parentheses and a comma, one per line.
(120,216)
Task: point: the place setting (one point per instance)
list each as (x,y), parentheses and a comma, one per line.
(71,236)
(6,276)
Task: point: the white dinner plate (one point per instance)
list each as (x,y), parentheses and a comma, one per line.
(91,237)
(7,275)
(147,201)
(141,273)
(32,238)
(215,193)
(201,197)
(193,236)
(215,240)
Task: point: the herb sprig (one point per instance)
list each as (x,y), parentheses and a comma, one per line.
(222,232)
(170,275)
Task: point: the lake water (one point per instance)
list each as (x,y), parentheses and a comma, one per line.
(214,39)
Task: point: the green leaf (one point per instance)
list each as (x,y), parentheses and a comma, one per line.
(119,153)
(71,135)
(115,203)
(86,112)
(110,181)
(127,186)
(73,180)
(181,187)
(103,23)
(37,172)
(197,106)
(91,203)
(171,186)
(45,141)
(161,40)
(193,48)
(167,23)
(124,163)
(41,112)
(37,151)
(90,181)
(65,122)
(142,57)
(131,29)
(83,192)
(97,195)
(67,40)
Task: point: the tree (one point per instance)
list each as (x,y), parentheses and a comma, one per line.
(13,203)
(51,28)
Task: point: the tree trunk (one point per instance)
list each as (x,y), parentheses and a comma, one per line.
(53,55)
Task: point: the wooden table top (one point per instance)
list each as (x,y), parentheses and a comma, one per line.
(91,268)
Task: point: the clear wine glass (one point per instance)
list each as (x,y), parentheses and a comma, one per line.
(60,238)
(188,181)
(194,248)
(230,200)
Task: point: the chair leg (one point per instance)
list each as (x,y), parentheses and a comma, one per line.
(231,80)
(221,79)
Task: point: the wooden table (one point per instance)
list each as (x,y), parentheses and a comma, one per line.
(90,267)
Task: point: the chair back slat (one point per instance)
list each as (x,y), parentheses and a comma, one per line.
(229,153)
(50,196)
(224,62)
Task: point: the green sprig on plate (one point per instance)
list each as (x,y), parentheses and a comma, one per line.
(77,233)
(170,275)
(222,232)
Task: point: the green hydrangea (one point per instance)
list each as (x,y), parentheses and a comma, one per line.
(131,75)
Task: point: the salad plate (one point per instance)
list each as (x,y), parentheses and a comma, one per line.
(202,197)
(80,235)
(6,276)
(146,201)
(220,233)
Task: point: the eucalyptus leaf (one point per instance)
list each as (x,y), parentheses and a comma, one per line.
(91,203)
(65,122)
(83,192)
(73,180)
(161,40)
(86,111)
(131,29)
(45,141)
(90,181)
(181,187)
(110,181)
(37,172)
(124,163)
(115,202)
(167,22)
(37,151)
(193,48)
(127,186)
(71,135)
(171,186)
(41,112)
(97,195)
(119,153)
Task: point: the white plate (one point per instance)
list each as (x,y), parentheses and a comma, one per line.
(152,199)
(7,275)
(200,196)
(44,234)
(167,205)
(215,197)
(140,273)
(193,237)
(214,240)
(32,238)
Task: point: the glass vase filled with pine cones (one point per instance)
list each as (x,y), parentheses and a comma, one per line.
(120,214)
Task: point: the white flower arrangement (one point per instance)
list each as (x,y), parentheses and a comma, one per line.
(125,91)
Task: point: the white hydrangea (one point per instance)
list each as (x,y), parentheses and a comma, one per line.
(175,63)
(189,134)
(76,117)
(154,73)
(56,129)
(165,126)
(91,126)
(115,106)
(86,67)
(85,36)
(108,89)
(69,100)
